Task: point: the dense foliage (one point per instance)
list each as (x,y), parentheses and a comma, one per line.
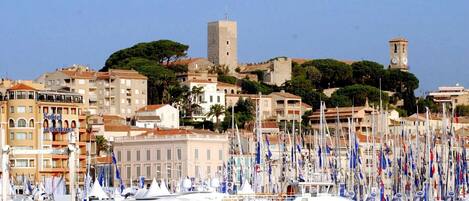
(357,95)
(462,110)
(151,59)
(243,113)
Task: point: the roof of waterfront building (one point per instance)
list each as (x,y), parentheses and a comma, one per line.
(128,74)
(285,95)
(21,86)
(150,107)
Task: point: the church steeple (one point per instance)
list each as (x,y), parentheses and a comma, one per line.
(398,53)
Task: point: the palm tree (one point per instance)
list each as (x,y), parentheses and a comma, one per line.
(216,111)
(101,144)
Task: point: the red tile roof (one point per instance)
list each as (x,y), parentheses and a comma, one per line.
(127,74)
(79,74)
(285,95)
(150,107)
(22,86)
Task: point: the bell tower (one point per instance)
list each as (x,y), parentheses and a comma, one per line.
(398,54)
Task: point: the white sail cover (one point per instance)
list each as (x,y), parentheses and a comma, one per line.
(97,191)
(154,190)
(11,192)
(246,188)
(164,189)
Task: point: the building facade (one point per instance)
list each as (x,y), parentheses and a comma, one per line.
(452,95)
(398,54)
(157,116)
(35,119)
(265,101)
(222,45)
(275,71)
(208,96)
(171,155)
(286,106)
(119,92)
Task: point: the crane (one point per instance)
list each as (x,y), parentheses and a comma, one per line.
(71,151)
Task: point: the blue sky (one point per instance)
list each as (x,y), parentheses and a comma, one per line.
(36,36)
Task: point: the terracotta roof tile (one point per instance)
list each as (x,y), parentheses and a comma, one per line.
(79,74)
(285,95)
(150,107)
(127,74)
(22,86)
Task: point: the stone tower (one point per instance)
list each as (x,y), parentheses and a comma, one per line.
(222,44)
(398,54)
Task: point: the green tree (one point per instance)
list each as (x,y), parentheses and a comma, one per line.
(462,110)
(422,103)
(216,111)
(333,73)
(243,113)
(227,79)
(161,51)
(357,95)
(101,144)
(367,72)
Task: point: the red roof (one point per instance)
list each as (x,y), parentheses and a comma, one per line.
(21,86)
(150,107)
(79,74)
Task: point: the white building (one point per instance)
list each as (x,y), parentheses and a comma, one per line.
(209,96)
(157,116)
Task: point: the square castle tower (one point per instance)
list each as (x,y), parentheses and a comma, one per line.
(222,44)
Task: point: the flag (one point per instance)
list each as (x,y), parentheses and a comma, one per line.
(269,153)
(101,176)
(319,156)
(141,182)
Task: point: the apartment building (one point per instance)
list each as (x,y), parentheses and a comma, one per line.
(286,106)
(456,95)
(265,102)
(76,79)
(35,119)
(117,92)
(157,116)
(171,155)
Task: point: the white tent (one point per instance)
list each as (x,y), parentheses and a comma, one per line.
(164,189)
(154,190)
(97,191)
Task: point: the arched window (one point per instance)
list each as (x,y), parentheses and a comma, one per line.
(232,91)
(395,48)
(11,123)
(65,124)
(21,123)
(73,125)
(31,123)
(45,124)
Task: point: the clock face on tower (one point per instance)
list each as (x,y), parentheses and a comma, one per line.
(404,61)
(394,60)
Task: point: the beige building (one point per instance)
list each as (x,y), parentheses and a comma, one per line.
(194,64)
(121,92)
(398,54)
(456,95)
(228,88)
(171,155)
(286,106)
(266,102)
(35,119)
(183,77)
(222,44)
(276,71)
(117,92)
(76,79)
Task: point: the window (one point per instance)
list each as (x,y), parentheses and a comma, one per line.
(168,171)
(220,154)
(30,109)
(12,109)
(119,155)
(31,123)
(21,163)
(211,99)
(136,91)
(129,172)
(148,155)
(158,154)
(21,136)
(128,82)
(196,171)
(128,156)
(11,123)
(227,42)
(228,53)
(138,171)
(208,154)
(168,154)
(218,99)
(395,48)
(12,135)
(158,171)
(196,154)
(179,169)
(208,171)
(21,123)
(179,154)
(138,157)
(148,168)
(81,81)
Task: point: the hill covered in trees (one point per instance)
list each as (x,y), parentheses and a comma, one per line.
(356,82)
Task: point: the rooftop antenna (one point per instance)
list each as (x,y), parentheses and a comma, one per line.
(226,12)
